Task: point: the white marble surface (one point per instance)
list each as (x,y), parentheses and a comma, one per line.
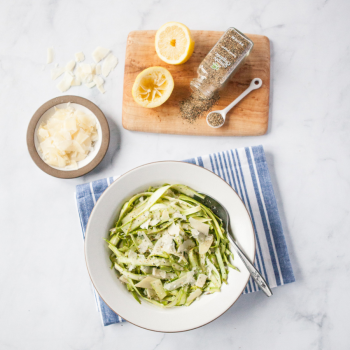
(45,296)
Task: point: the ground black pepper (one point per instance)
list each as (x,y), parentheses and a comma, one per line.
(221,62)
(215,119)
(194,106)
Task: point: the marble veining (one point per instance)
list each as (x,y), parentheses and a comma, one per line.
(45,296)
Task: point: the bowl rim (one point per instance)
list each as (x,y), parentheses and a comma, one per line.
(88,223)
(70,174)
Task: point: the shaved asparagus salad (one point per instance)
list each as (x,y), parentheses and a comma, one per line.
(169,248)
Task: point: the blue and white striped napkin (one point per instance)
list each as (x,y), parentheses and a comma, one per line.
(245,169)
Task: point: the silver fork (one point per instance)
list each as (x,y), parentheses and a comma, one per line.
(222,213)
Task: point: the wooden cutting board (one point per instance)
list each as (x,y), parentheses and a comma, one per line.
(249,117)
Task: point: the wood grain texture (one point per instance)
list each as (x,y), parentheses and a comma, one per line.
(249,117)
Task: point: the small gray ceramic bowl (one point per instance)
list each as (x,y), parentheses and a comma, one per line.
(94,157)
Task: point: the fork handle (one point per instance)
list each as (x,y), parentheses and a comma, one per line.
(258,278)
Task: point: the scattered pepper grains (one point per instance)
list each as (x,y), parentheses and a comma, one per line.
(195,105)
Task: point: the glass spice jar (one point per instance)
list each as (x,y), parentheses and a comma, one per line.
(222,62)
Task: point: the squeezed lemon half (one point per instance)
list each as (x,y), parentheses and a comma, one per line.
(174,43)
(152,87)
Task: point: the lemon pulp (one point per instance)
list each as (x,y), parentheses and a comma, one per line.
(174,43)
(152,87)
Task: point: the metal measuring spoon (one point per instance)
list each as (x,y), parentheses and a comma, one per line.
(256,83)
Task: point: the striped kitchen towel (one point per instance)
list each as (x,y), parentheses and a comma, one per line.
(245,169)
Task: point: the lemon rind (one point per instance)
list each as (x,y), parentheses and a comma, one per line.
(188,52)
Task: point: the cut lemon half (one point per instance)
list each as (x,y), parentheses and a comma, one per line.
(174,43)
(152,87)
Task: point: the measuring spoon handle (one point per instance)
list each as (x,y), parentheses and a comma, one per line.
(255,84)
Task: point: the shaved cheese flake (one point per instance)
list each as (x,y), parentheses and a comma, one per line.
(146,282)
(154,222)
(70,66)
(145,224)
(76,147)
(90,85)
(46,145)
(76,81)
(98,80)
(65,134)
(70,124)
(85,72)
(186,246)
(145,245)
(200,226)
(123,279)
(206,244)
(99,83)
(81,136)
(185,279)
(180,216)
(174,230)
(132,255)
(86,68)
(99,54)
(79,57)
(165,215)
(49,56)
(201,280)
(158,206)
(66,138)
(94,136)
(62,145)
(43,133)
(158,273)
(109,64)
(185,226)
(65,83)
(101,89)
(56,72)
(73,165)
(195,233)
(146,269)
(194,295)
(98,69)
(151,294)
(164,244)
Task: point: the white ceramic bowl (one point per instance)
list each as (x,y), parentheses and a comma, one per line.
(208,307)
